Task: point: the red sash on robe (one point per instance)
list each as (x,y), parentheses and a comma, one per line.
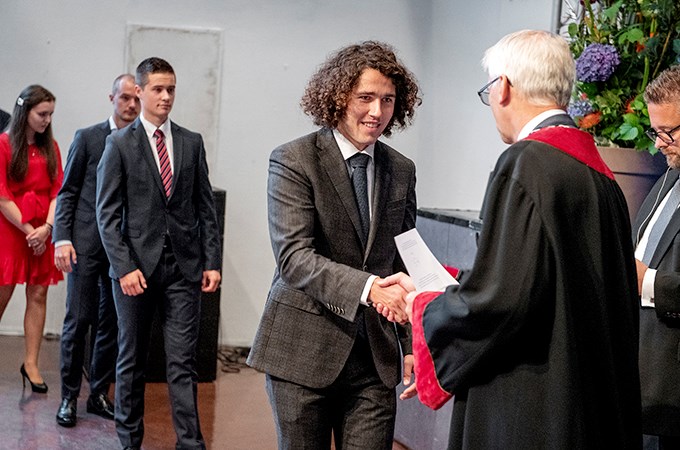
(575,143)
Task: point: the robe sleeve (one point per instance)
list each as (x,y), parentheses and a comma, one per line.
(430,392)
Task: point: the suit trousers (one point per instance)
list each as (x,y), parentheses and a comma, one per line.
(357,408)
(89,306)
(178,303)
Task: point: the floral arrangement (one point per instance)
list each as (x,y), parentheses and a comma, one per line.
(619,47)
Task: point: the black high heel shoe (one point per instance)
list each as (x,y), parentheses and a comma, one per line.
(40,388)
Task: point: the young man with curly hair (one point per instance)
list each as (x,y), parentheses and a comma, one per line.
(332,362)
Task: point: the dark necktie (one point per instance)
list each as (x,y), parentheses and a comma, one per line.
(358,163)
(166,172)
(662,222)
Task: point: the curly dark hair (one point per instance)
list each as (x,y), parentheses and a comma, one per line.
(328,91)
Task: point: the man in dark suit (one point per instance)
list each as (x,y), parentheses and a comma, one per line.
(332,362)
(157,220)
(4,120)
(79,251)
(656,233)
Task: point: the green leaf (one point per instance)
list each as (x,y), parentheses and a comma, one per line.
(632,120)
(611,12)
(632,35)
(573,30)
(627,132)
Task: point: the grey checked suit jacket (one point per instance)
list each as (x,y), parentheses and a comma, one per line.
(660,326)
(309,323)
(134,216)
(74,219)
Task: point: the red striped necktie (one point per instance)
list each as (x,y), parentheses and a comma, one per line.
(166,171)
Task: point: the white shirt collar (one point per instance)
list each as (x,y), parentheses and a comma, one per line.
(112,124)
(533,123)
(348,149)
(151,128)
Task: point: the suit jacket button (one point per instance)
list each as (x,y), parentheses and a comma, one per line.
(365,268)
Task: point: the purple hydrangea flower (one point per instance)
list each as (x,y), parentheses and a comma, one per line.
(597,63)
(579,108)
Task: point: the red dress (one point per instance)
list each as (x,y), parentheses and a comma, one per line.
(33,195)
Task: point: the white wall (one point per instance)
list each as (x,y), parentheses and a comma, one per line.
(271,47)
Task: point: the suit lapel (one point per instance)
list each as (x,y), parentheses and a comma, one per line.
(147,152)
(381,187)
(336,169)
(177,155)
(672,228)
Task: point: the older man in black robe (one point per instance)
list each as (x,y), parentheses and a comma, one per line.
(539,343)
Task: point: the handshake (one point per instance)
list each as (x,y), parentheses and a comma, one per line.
(393,297)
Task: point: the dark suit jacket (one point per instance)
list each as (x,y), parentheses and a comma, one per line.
(4,120)
(134,216)
(660,326)
(74,219)
(309,323)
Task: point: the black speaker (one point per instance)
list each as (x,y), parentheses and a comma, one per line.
(206,349)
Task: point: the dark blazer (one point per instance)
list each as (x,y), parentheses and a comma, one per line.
(76,202)
(4,120)
(134,216)
(309,322)
(660,326)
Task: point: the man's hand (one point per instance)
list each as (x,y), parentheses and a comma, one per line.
(641,269)
(389,301)
(211,280)
(64,256)
(412,390)
(133,283)
(399,278)
(409,299)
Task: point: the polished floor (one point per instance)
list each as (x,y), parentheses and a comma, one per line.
(234,410)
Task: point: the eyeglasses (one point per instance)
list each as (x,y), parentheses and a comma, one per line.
(665,136)
(484,91)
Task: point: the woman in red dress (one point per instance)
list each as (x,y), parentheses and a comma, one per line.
(30,177)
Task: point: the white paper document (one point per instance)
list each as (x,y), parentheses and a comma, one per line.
(426,272)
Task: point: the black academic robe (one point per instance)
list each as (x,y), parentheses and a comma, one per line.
(539,343)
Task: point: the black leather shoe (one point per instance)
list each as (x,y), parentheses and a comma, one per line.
(130,448)
(100,405)
(66,416)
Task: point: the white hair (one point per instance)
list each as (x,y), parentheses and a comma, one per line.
(537,63)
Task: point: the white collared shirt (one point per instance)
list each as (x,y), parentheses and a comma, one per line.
(533,123)
(150,129)
(112,124)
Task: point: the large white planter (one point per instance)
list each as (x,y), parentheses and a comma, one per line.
(636,172)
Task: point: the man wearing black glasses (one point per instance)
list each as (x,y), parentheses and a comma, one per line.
(539,342)
(657,239)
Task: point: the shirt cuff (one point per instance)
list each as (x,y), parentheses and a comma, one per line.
(647,296)
(367,290)
(62,243)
